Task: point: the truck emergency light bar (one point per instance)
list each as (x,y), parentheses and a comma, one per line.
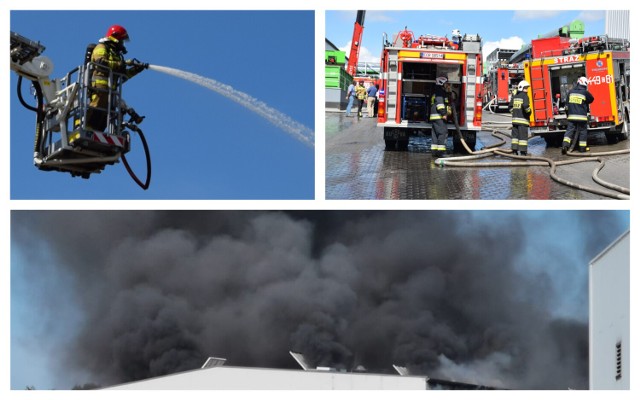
(24,50)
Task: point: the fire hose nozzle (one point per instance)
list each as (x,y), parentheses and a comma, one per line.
(137,63)
(135,117)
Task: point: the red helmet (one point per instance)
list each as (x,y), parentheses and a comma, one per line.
(118,32)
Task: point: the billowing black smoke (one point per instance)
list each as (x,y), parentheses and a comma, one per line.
(453,295)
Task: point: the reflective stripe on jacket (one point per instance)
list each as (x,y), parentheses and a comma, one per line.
(107,55)
(578,103)
(520,109)
(439,103)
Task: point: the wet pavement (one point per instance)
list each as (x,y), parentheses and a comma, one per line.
(358,167)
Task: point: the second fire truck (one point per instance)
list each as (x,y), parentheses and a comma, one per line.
(409,67)
(555,66)
(500,82)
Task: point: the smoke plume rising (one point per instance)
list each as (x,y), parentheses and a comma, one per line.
(453,295)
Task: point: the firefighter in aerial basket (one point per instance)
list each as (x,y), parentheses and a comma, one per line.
(577,116)
(438,116)
(520,113)
(109,55)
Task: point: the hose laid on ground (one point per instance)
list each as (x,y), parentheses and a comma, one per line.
(604,153)
(555,164)
(147,154)
(543,162)
(601,165)
(454,114)
(606,184)
(537,161)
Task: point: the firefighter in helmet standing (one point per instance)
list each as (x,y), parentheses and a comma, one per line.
(109,55)
(438,116)
(520,112)
(577,116)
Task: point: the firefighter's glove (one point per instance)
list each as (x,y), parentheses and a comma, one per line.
(135,117)
(140,67)
(136,66)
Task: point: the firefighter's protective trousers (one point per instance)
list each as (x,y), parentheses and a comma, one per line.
(576,129)
(97,113)
(439,134)
(520,113)
(519,137)
(577,117)
(439,129)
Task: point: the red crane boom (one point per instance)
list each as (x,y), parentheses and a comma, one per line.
(356,41)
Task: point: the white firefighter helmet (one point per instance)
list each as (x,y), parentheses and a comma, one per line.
(523,85)
(441,80)
(583,81)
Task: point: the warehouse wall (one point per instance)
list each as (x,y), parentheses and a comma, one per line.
(609,309)
(617,24)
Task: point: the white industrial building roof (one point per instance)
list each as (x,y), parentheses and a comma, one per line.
(223,377)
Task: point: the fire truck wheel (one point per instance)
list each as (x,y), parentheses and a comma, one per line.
(399,145)
(612,138)
(624,130)
(554,140)
(624,135)
(389,144)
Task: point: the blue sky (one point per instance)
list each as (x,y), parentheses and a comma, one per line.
(203,146)
(498,28)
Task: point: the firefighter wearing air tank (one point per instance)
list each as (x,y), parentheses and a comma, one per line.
(109,55)
(578,102)
(520,112)
(438,116)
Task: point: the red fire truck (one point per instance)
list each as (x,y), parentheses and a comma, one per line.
(409,67)
(500,81)
(555,66)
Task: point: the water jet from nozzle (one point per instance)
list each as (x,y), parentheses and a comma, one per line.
(282,121)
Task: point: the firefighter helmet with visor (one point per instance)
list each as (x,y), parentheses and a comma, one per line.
(441,80)
(523,85)
(118,32)
(583,81)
